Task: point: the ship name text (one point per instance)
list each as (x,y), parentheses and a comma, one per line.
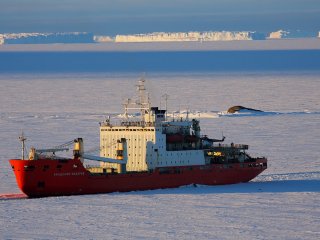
(68,174)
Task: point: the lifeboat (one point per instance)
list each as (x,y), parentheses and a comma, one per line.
(191,138)
(175,138)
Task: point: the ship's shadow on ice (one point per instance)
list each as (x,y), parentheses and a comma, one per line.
(278,186)
(281,186)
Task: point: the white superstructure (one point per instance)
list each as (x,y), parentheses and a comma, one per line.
(152,141)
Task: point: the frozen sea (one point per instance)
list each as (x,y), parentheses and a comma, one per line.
(282,203)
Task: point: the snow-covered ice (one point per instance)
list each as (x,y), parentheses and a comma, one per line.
(282,203)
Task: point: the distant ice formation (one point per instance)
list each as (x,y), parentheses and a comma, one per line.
(278,34)
(292,34)
(102,39)
(190,36)
(40,38)
(83,37)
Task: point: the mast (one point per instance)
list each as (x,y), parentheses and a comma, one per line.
(22,139)
(140,103)
(143,102)
(166,96)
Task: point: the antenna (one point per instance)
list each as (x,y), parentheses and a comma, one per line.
(187,117)
(126,104)
(144,100)
(166,96)
(141,102)
(22,139)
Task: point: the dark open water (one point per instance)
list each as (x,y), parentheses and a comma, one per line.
(160,61)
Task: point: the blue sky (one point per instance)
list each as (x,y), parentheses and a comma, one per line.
(139,16)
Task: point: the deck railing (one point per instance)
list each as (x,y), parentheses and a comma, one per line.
(232,145)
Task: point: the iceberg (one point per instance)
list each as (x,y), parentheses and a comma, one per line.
(44,38)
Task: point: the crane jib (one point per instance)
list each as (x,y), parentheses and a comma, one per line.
(103,159)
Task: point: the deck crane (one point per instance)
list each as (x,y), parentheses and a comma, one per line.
(78,152)
(59,148)
(121,154)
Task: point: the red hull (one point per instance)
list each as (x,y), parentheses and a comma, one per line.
(41,178)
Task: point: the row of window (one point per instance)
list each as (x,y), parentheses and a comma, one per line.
(171,154)
(168,154)
(175,162)
(160,163)
(147,140)
(128,129)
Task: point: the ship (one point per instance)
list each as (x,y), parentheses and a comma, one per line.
(146,152)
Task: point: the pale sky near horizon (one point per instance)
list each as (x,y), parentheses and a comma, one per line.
(112,17)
